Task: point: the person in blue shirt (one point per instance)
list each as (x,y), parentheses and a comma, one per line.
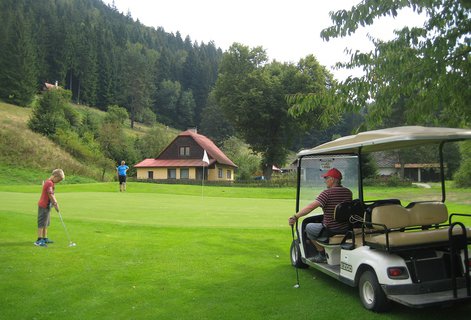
(121,171)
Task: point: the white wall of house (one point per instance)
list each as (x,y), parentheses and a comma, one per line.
(387,171)
(219,173)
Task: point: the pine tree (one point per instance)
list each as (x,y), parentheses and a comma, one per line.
(18,79)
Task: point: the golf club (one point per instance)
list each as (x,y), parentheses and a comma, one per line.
(297,272)
(71,244)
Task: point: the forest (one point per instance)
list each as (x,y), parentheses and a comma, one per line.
(104,58)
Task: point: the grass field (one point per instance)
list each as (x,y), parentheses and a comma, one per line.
(169,252)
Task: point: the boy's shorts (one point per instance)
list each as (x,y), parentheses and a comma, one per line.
(44,217)
(122,179)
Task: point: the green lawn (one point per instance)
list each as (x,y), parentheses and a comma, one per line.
(167,252)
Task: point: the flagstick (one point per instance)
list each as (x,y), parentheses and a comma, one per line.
(202,184)
(205,160)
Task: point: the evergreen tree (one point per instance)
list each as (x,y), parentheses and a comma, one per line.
(138,85)
(49,115)
(18,76)
(186,108)
(166,101)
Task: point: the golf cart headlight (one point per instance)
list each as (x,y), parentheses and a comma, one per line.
(398,273)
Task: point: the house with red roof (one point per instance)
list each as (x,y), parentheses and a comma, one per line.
(183,159)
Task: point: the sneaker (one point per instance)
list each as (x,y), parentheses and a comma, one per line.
(319,258)
(40,243)
(47,240)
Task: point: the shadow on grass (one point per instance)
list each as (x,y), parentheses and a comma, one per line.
(17,244)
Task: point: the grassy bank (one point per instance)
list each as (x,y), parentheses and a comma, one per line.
(24,152)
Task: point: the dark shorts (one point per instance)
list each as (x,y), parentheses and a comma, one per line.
(44,217)
(122,179)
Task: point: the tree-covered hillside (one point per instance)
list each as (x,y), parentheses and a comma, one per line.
(104,58)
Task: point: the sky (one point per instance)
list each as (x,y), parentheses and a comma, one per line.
(288,30)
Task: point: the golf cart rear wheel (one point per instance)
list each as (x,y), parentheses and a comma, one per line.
(295,254)
(371,294)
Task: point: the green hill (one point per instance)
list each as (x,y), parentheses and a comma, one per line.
(28,157)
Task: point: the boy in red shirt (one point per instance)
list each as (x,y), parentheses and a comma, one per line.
(45,203)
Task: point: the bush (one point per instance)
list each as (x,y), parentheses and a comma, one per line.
(153,142)
(117,115)
(240,153)
(73,144)
(147,116)
(387,181)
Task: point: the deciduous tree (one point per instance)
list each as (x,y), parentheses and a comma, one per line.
(252,93)
(424,70)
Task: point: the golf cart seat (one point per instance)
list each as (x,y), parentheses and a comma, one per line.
(420,224)
(345,240)
(344,212)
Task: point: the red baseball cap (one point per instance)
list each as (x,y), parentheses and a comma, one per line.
(334,173)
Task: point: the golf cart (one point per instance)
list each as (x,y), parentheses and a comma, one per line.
(412,251)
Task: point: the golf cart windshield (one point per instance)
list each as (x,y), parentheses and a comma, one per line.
(312,169)
(387,174)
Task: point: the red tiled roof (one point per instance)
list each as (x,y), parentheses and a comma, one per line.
(153,163)
(213,151)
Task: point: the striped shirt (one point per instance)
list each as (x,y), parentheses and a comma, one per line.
(329,199)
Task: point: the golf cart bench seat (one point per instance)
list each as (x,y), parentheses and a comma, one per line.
(395,226)
(338,238)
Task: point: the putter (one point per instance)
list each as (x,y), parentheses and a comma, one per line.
(297,271)
(71,244)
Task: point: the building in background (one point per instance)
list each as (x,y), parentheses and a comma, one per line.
(183,159)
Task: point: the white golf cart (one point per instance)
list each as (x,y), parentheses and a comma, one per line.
(412,251)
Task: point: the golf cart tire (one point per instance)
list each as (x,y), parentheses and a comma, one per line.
(371,294)
(295,254)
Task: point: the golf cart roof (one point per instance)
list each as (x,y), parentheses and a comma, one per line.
(386,139)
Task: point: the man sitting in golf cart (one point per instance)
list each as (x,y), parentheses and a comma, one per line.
(327,200)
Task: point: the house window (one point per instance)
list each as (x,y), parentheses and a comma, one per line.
(220,173)
(150,175)
(171,173)
(184,151)
(184,173)
(229,174)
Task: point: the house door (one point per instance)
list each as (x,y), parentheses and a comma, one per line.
(199,173)
(150,175)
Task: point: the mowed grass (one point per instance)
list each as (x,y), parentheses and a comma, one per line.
(167,252)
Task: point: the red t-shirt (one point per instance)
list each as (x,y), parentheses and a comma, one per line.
(329,199)
(48,188)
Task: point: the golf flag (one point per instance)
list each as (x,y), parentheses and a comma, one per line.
(205,157)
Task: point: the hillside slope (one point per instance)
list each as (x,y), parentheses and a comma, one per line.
(28,157)
(21,149)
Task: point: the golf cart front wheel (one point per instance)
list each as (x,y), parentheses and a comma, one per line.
(295,254)
(371,294)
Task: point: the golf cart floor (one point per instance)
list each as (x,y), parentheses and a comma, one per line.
(331,270)
(428,299)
